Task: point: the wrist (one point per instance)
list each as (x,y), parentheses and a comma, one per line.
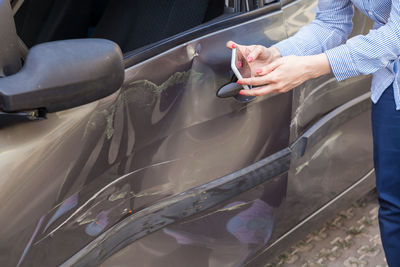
(318,65)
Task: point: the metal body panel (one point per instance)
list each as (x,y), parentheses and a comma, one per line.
(67,179)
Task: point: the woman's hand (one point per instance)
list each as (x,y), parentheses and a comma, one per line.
(257,56)
(285,73)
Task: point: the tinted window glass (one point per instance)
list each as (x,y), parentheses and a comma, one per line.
(130,23)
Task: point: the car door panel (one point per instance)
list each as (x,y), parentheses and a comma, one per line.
(163,133)
(342,156)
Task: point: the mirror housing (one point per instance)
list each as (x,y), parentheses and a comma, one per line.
(64,74)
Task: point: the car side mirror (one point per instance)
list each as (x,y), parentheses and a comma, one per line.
(63,74)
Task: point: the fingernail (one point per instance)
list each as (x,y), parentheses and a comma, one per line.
(233,46)
(250,59)
(239,82)
(258,71)
(241,92)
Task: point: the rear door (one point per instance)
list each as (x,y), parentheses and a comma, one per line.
(331,141)
(84,173)
(335,117)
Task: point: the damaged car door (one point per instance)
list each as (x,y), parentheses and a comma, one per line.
(164,137)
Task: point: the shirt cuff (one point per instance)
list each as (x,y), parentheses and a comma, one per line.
(286,48)
(341,62)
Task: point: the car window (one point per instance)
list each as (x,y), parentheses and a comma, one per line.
(130,23)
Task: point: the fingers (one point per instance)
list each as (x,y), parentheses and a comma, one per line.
(260,80)
(259,91)
(269,68)
(253,55)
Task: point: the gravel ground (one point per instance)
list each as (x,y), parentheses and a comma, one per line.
(351,239)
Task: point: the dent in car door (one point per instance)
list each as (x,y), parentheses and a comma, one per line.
(84,170)
(230,233)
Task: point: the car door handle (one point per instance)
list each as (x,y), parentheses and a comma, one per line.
(232,90)
(229,90)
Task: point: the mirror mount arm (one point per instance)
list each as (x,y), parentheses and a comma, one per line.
(9,118)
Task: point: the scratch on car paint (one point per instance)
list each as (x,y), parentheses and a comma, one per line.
(86,221)
(98,193)
(67,173)
(66,206)
(225,209)
(131,136)
(116,196)
(152,192)
(327,144)
(176,78)
(193,52)
(110,123)
(118,129)
(303,100)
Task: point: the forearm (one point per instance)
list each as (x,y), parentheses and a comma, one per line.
(330,28)
(366,54)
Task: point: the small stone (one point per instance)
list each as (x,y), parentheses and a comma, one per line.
(354,262)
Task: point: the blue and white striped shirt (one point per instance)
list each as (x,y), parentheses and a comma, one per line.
(378,52)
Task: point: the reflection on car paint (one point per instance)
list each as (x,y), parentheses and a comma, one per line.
(253,225)
(98,224)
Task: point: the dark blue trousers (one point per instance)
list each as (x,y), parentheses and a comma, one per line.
(386,133)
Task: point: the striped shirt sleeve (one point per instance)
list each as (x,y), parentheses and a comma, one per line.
(330,28)
(365,54)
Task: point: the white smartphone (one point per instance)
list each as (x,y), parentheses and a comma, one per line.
(240,66)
